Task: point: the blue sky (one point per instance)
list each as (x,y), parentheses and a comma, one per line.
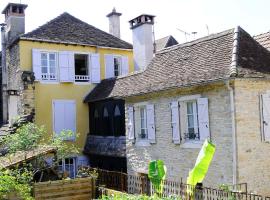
(171,15)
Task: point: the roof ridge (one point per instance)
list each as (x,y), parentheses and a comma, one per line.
(261,34)
(197,41)
(233,66)
(168,36)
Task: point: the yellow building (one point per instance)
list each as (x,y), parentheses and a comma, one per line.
(51,69)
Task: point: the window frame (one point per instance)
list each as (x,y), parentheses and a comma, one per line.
(195,136)
(82,78)
(49,77)
(119,68)
(142,109)
(63,165)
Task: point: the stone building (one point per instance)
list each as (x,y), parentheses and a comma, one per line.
(215,87)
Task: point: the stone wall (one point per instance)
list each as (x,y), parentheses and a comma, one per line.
(179,159)
(25,89)
(253,152)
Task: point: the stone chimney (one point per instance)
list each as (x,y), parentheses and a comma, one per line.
(114,23)
(143,42)
(14,19)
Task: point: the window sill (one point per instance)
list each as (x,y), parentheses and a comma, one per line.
(192,144)
(143,143)
(48,82)
(82,83)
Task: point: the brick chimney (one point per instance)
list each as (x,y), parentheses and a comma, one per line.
(14,19)
(114,23)
(143,42)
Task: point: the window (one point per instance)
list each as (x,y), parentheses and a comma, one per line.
(68,165)
(117,66)
(119,122)
(106,122)
(81,68)
(96,122)
(192,121)
(143,122)
(48,66)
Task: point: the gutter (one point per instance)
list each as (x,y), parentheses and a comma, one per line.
(69,43)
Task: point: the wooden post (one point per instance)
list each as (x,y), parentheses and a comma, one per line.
(93,185)
(143,183)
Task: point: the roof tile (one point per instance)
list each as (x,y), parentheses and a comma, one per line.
(68,29)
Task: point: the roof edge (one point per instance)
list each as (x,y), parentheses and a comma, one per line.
(70,43)
(199,40)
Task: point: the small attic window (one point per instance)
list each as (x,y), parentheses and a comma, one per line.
(14,9)
(20,10)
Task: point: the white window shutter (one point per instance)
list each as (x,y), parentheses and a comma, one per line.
(266,116)
(36,62)
(150,117)
(64,66)
(203,118)
(125,67)
(94,68)
(130,126)
(175,122)
(70,117)
(109,66)
(64,116)
(71,67)
(58,117)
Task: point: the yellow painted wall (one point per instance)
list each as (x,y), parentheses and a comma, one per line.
(46,92)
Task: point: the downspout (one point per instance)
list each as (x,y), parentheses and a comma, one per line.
(4,77)
(234,146)
(233,73)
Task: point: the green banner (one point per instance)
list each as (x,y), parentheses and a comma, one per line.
(157,173)
(197,174)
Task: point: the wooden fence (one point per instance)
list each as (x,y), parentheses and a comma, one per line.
(79,188)
(133,184)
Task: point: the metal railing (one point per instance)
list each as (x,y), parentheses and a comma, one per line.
(46,76)
(82,78)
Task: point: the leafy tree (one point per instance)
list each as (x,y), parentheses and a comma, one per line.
(27,138)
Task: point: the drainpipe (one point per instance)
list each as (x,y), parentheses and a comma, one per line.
(232,111)
(4,76)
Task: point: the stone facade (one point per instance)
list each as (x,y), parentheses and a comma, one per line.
(180,158)
(19,81)
(253,153)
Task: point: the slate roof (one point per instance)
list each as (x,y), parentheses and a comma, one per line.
(70,30)
(197,62)
(19,157)
(165,42)
(263,39)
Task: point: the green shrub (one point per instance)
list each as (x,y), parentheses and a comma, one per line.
(124,196)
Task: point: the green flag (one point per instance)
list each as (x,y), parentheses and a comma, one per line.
(197,174)
(157,173)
